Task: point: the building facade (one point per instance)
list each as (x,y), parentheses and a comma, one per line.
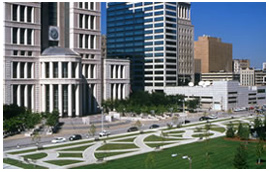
(149,34)
(260,77)
(212,55)
(220,76)
(239,64)
(62,70)
(223,95)
(247,77)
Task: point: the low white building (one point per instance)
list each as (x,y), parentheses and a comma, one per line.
(223,95)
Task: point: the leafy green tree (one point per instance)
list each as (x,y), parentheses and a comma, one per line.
(36,137)
(260,151)
(240,158)
(230,131)
(150,161)
(10,111)
(244,133)
(92,130)
(52,119)
(257,123)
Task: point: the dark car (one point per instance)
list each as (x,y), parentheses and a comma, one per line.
(187,121)
(75,137)
(154,126)
(132,129)
(204,118)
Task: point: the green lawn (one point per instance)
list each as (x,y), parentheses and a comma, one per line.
(78,148)
(202,135)
(111,146)
(154,145)
(157,138)
(126,140)
(63,155)
(221,157)
(63,162)
(218,129)
(36,156)
(21,164)
(176,132)
(103,155)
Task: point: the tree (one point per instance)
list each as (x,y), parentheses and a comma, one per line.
(230,130)
(174,120)
(257,123)
(138,124)
(36,137)
(243,131)
(259,151)
(207,129)
(150,161)
(240,158)
(92,130)
(52,119)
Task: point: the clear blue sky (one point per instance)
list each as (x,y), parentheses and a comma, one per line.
(243,24)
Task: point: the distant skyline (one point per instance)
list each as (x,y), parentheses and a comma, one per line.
(242,24)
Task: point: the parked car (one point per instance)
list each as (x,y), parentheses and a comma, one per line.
(187,121)
(132,129)
(154,126)
(75,137)
(207,118)
(58,140)
(104,133)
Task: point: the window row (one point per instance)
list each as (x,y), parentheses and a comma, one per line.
(87,41)
(89,70)
(87,5)
(60,70)
(87,56)
(22,13)
(117,71)
(87,21)
(22,53)
(22,36)
(22,70)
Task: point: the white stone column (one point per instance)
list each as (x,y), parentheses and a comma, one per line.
(78,100)
(25,69)
(114,71)
(51,70)
(89,70)
(26,96)
(51,97)
(83,70)
(60,99)
(114,92)
(19,95)
(119,69)
(189,13)
(70,103)
(123,91)
(32,70)
(43,97)
(69,70)
(181,12)
(78,67)
(119,91)
(33,97)
(89,96)
(43,67)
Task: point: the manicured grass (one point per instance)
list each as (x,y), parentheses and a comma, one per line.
(112,146)
(79,148)
(157,138)
(21,152)
(21,164)
(126,140)
(63,162)
(221,153)
(218,129)
(51,147)
(175,132)
(36,156)
(202,135)
(154,145)
(107,154)
(76,155)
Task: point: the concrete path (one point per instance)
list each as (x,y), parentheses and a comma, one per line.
(139,141)
(88,154)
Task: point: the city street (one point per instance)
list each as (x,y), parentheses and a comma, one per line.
(75,126)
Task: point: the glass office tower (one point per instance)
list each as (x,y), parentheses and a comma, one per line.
(147,34)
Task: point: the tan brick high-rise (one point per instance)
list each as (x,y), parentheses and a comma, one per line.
(212,55)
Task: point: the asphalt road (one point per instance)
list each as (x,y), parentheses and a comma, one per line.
(74,126)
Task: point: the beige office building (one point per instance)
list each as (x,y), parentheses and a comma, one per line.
(212,55)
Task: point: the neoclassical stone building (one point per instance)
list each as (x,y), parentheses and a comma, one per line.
(52,57)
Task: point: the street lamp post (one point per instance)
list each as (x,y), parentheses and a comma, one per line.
(102,117)
(189,158)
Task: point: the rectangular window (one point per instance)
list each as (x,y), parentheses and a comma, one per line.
(29,14)
(92,41)
(22,36)
(158,19)
(171,7)
(80,40)
(22,11)
(86,41)
(92,71)
(80,20)
(47,71)
(92,22)
(29,36)
(29,70)
(73,69)
(159,31)
(158,42)
(86,21)
(158,7)
(147,3)
(15,35)
(55,69)
(64,69)
(80,4)
(159,25)
(158,13)
(14,12)
(15,65)
(86,5)
(92,5)
(148,8)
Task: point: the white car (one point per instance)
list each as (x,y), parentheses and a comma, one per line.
(58,140)
(104,133)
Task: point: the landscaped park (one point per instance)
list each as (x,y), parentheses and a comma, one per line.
(200,145)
